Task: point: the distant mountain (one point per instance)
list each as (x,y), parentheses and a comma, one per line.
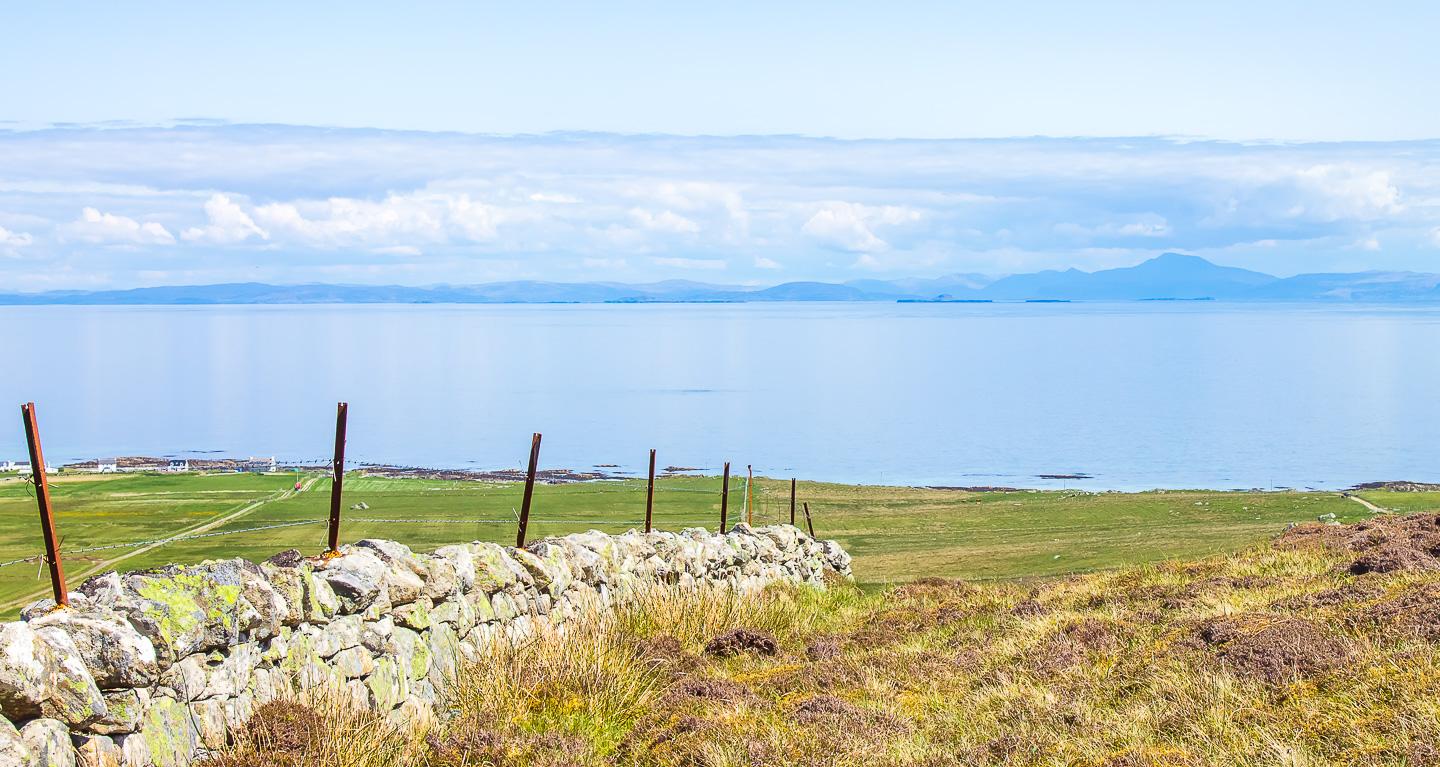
(1170,276)
(950,284)
(1364,286)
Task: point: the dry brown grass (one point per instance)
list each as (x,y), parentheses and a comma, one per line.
(1279,656)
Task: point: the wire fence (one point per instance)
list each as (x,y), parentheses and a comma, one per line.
(767,509)
(748,499)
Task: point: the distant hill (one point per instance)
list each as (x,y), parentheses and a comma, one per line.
(1169,276)
(1364,286)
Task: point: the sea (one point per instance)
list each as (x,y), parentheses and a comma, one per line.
(1097,396)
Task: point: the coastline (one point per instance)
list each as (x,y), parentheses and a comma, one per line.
(136,464)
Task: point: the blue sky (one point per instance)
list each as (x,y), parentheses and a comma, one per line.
(1302,140)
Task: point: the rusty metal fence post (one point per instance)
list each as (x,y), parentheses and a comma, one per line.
(724,497)
(337,483)
(529,490)
(42,498)
(792,501)
(808,522)
(650,492)
(749,495)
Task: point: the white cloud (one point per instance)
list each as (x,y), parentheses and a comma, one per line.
(762,262)
(851,226)
(398,219)
(12,242)
(558,199)
(1150,226)
(1334,192)
(228,224)
(603,263)
(664,221)
(99,228)
(691,263)
(14,239)
(447,208)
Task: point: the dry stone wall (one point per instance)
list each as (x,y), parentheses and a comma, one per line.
(158,667)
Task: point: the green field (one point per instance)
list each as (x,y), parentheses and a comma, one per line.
(894,533)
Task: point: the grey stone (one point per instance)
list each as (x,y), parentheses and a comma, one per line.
(394,553)
(73,697)
(494,569)
(185,680)
(208,717)
(533,565)
(441,579)
(403,586)
(27,671)
(355,577)
(230,674)
(289,583)
(321,601)
(134,751)
(463,561)
(49,742)
(340,634)
(117,655)
(238,711)
(95,751)
(268,608)
(389,684)
(415,615)
(410,653)
(123,711)
(181,610)
(353,663)
(504,607)
(167,736)
(444,647)
(14,751)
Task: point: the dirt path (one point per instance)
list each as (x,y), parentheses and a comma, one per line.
(1372,507)
(203,527)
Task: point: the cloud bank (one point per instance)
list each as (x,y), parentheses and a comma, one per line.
(92,206)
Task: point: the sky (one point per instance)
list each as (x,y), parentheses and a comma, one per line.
(739,143)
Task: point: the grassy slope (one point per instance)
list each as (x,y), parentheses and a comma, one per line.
(1270,657)
(894,533)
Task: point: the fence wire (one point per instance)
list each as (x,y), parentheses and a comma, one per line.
(578,486)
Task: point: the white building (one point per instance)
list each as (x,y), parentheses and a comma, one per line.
(178,465)
(259,465)
(107,467)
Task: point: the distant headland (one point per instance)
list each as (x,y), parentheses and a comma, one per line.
(1168,277)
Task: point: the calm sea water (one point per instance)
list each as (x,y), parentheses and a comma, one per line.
(1135,395)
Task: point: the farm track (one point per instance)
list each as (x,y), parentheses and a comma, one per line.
(203,527)
(1372,507)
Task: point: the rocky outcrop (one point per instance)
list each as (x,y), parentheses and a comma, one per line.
(159,667)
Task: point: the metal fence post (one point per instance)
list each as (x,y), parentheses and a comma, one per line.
(42,498)
(724,497)
(529,490)
(650,492)
(808,522)
(749,495)
(337,484)
(792,501)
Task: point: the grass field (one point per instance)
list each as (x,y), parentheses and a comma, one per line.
(894,533)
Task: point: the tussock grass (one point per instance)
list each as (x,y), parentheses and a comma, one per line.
(1276,656)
